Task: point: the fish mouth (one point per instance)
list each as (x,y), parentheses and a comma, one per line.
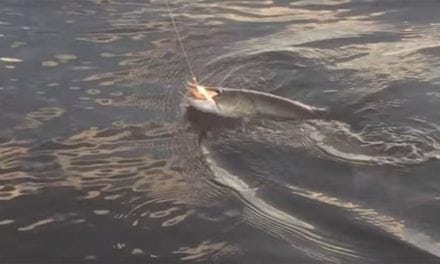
(201,92)
(201,97)
(203,105)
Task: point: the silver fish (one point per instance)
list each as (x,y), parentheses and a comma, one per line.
(230,102)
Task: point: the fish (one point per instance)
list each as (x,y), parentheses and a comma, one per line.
(237,103)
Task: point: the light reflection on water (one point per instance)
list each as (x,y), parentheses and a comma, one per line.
(95,144)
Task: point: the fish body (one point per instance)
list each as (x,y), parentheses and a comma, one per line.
(231,102)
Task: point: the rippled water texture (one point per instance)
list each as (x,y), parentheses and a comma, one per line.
(100,162)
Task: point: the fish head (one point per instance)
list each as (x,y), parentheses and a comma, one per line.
(202,98)
(201,92)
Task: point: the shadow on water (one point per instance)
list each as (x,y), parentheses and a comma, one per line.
(100,161)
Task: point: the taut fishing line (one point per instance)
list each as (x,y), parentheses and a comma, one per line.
(179,38)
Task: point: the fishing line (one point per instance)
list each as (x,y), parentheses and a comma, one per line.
(180,42)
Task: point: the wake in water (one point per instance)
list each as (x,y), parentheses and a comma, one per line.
(298,223)
(373,145)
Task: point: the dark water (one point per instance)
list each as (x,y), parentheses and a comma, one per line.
(99,163)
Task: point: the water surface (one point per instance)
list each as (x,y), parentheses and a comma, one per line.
(100,162)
